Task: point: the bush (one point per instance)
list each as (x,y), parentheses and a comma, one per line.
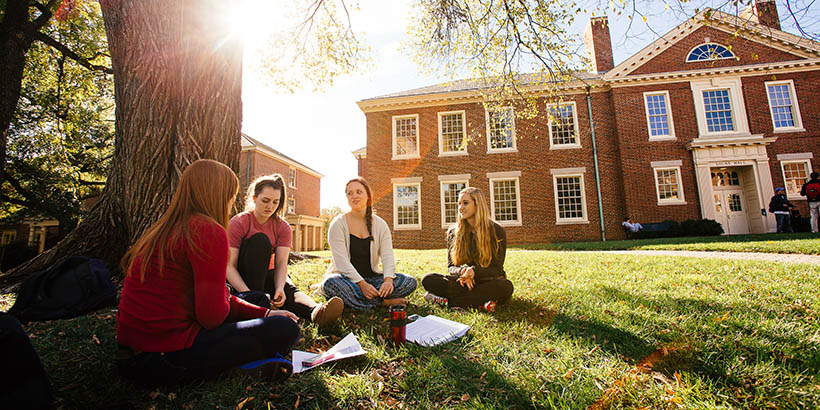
(14,254)
(700,227)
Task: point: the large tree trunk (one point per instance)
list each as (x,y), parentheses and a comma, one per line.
(177,81)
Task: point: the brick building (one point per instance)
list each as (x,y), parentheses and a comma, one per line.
(702,123)
(302,207)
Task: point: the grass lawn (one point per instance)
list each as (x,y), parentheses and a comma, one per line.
(583,332)
(803,243)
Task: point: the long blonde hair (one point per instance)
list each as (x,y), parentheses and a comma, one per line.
(206,189)
(482,233)
(274,181)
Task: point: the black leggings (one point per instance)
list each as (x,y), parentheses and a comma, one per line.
(254,260)
(229,345)
(499,290)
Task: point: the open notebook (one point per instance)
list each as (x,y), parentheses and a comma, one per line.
(432,330)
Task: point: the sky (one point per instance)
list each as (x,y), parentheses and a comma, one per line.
(321,129)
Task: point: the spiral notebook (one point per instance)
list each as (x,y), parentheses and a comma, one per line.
(432,330)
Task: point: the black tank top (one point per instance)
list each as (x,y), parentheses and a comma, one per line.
(360,256)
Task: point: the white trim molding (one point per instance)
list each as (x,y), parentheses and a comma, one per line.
(795,155)
(575,133)
(670,135)
(738,108)
(570,173)
(394,142)
(496,177)
(795,107)
(490,149)
(406,182)
(463,145)
(668,166)
(446,180)
(795,192)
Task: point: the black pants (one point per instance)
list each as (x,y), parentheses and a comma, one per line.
(23,382)
(497,289)
(254,259)
(227,346)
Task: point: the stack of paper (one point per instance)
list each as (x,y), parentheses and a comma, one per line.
(432,330)
(347,347)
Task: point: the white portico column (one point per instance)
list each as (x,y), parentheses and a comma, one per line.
(765,190)
(703,174)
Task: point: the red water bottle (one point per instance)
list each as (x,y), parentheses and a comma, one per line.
(398,320)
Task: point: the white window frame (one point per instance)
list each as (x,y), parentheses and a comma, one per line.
(292,178)
(564,173)
(798,121)
(665,166)
(450,179)
(806,165)
(395,145)
(669,122)
(735,88)
(506,176)
(399,182)
(463,150)
(490,149)
(287,203)
(706,43)
(577,143)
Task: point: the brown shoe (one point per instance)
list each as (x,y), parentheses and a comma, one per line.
(327,312)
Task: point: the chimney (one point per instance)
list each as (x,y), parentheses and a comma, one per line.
(763,12)
(598,45)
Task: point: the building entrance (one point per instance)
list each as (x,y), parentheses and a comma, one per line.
(730,201)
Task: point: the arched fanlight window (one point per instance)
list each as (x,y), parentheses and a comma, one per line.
(709,51)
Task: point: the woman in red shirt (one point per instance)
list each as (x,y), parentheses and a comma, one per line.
(176,320)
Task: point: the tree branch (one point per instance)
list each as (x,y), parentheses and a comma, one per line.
(15,201)
(70,54)
(45,13)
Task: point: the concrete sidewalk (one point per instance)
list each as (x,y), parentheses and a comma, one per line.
(771,257)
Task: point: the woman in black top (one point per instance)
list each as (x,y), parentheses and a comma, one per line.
(476,248)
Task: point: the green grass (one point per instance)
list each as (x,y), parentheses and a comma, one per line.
(801,243)
(583,331)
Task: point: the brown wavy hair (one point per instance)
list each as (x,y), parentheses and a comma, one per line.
(368,214)
(482,233)
(206,189)
(275,181)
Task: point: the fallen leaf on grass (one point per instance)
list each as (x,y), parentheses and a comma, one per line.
(69,387)
(242,403)
(722,318)
(95,339)
(594,349)
(465,397)
(481,378)
(677,378)
(569,373)
(548,350)
(172,396)
(298,398)
(153,395)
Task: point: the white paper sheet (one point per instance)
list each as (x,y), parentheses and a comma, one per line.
(432,330)
(347,347)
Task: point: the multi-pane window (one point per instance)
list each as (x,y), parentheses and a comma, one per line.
(718,109)
(795,174)
(292,178)
(783,105)
(735,203)
(407,206)
(709,51)
(500,130)
(569,196)
(505,200)
(451,132)
(658,115)
(291,206)
(406,136)
(667,185)
(563,125)
(449,200)
(8,237)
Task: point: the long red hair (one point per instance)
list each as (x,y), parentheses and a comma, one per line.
(207,189)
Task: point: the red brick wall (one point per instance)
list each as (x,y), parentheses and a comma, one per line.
(749,52)
(306,193)
(534,159)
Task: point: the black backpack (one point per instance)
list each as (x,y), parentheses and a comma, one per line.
(68,289)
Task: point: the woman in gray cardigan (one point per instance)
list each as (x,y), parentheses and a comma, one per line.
(358,240)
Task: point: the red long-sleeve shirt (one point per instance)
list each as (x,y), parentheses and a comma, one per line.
(165,313)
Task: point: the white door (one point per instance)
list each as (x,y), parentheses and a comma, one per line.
(737,220)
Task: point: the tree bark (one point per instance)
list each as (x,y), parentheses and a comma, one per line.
(177,85)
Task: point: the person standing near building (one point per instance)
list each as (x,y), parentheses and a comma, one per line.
(811,190)
(476,249)
(259,248)
(779,206)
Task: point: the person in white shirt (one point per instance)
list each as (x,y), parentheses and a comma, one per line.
(631,226)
